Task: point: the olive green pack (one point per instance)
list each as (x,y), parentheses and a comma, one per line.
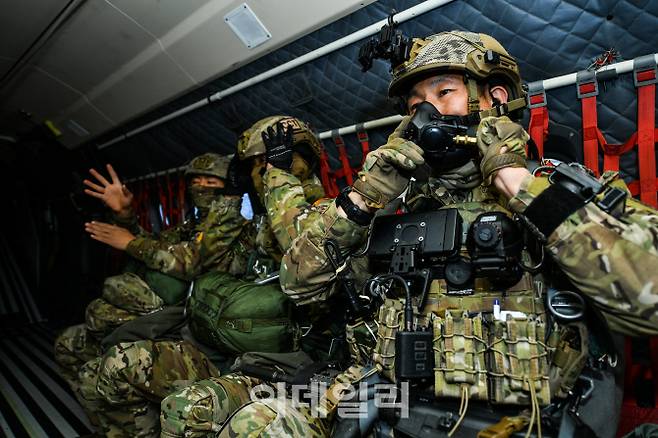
(236,316)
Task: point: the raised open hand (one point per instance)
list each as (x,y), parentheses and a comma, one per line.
(278,146)
(113,194)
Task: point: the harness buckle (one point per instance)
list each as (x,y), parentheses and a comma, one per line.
(645,71)
(586,84)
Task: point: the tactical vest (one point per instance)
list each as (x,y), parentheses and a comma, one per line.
(479,357)
(236,316)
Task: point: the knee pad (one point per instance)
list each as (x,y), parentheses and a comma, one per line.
(275,418)
(124,369)
(102,317)
(204,406)
(69,343)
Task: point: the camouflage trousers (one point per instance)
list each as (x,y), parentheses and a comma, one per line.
(123,388)
(222,407)
(73,347)
(203,407)
(125,297)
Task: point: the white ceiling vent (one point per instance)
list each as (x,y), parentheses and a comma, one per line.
(247,26)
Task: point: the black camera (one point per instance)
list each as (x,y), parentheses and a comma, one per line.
(494,245)
(444,139)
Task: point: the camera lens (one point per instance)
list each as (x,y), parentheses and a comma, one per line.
(486,235)
(458,273)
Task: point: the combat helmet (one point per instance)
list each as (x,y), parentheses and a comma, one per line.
(479,56)
(250,143)
(209,164)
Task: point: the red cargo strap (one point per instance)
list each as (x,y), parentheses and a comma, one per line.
(645,78)
(362,135)
(181,196)
(327,177)
(163,203)
(587,89)
(538,126)
(173,211)
(140,204)
(342,155)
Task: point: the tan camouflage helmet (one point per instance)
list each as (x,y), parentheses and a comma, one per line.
(478,56)
(209,164)
(250,143)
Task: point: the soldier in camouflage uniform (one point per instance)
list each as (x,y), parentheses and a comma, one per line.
(284,153)
(606,250)
(216,238)
(124,387)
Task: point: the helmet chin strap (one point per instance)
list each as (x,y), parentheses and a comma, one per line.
(474,112)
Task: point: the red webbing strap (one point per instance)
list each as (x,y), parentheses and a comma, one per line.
(644,76)
(342,155)
(362,135)
(181,197)
(173,210)
(163,204)
(141,202)
(538,125)
(587,89)
(326,176)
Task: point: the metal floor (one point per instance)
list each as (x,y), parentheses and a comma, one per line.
(34,400)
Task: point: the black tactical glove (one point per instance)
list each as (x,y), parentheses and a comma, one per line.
(278,146)
(238,180)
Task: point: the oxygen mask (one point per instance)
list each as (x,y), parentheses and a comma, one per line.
(448,141)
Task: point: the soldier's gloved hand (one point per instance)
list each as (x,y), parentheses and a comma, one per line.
(494,134)
(278,146)
(387,170)
(238,179)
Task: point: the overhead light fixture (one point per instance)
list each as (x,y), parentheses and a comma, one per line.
(247,26)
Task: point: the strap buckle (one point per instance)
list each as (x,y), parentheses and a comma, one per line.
(336,137)
(361,133)
(586,84)
(536,95)
(645,71)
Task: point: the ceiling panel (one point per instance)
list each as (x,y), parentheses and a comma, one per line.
(142,88)
(22,21)
(87,117)
(159,16)
(93,44)
(39,93)
(211,48)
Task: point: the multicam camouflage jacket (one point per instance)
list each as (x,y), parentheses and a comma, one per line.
(289,204)
(613,261)
(221,240)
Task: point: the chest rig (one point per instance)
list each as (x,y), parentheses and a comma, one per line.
(473,325)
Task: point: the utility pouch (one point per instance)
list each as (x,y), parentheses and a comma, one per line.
(459,356)
(361,339)
(391,315)
(518,369)
(569,358)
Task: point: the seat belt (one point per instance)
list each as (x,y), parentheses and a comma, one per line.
(362,135)
(181,197)
(163,203)
(326,176)
(346,170)
(587,88)
(538,126)
(645,77)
